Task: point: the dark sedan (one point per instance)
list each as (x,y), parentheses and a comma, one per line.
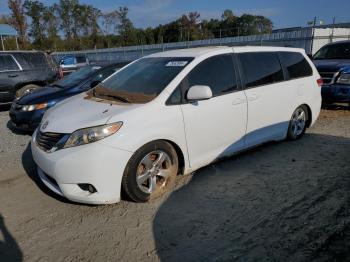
(333,63)
(27,112)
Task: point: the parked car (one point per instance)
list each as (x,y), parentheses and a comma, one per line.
(27,112)
(22,72)
(71,63)
(170,113)
(333,63)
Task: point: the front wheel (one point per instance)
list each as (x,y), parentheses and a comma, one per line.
(150,172)
(298,123)
(27,89)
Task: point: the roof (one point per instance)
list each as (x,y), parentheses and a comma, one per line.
(6,30)
(339,42)
(199,51)
(190,52)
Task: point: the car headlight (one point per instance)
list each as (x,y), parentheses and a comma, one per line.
(91,134)
(344,79)
(28,108)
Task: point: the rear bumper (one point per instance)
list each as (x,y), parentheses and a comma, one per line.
(96,164)
(335,94)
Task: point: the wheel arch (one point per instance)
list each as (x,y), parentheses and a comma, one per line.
(309,112)
(178,150)
(38,83)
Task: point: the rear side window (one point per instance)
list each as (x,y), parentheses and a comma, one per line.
(7,63)
(36,59)
(295,64)
(217,72)
(261,68)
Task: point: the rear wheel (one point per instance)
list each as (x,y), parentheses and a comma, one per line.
(298,123)
(150,172)
(26,90)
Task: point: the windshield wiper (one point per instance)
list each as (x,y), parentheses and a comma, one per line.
(120,98)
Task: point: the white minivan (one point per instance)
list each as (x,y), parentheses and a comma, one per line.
(171,113)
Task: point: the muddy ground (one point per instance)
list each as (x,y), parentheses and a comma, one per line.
(287,201)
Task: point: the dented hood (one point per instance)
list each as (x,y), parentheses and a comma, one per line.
(80,112)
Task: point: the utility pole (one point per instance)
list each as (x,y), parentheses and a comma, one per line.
(333,25)
(2,43)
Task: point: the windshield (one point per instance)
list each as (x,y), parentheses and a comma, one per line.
(76,77)
(143,80)
(335,51)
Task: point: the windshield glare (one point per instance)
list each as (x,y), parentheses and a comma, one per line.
(143,80)
(336,51)
(76,77)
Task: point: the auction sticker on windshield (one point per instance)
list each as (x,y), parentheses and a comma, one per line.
(176,63)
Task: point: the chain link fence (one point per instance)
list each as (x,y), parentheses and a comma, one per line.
(309,38)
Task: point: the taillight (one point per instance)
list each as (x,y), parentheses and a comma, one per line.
(319,82)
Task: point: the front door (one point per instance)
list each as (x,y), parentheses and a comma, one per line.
(215,127)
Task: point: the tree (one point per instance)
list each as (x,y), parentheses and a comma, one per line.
(125,27)
(18,19)
(4,19)
(190,26)
(250,24)
(35,10)
(51,23)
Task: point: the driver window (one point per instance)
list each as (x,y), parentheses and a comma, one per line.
(217,72)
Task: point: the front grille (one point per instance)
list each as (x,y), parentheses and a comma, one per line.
(328,77)
(46,141)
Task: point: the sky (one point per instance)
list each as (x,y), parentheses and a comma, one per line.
(283,13)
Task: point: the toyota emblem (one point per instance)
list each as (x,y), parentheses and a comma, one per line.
(43,126)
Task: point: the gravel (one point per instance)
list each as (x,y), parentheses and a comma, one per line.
(286,201)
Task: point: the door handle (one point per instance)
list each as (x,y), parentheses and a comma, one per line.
(12,75)
(238,101)
(252,97)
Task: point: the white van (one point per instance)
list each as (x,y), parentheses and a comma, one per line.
(171,113)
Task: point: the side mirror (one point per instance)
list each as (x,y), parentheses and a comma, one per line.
(198,92)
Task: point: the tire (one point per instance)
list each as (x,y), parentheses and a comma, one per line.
(26,90)
(145,177)
(298,123)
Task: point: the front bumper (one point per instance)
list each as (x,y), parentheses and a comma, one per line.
(26,121)
(335,94)
(96,164)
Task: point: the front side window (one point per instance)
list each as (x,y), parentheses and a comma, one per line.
(334,51)
(217,72)
(261,68)
(143,80)
(296,64)
(7,63)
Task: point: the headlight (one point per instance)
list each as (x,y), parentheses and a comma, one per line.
(92,134)
(344,79)
(28,108)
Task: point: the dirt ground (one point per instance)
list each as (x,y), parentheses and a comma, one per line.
(287,201)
